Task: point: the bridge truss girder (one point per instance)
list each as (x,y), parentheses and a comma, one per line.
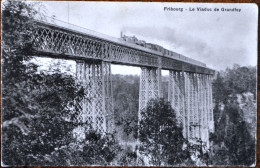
(55,41)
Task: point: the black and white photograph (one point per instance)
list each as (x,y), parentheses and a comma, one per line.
(128,84)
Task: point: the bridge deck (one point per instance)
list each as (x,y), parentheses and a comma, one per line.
(72,42)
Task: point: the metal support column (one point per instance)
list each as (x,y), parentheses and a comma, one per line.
(96,108)
(191,113)
(200,104)
(183,102)
(174,93)
(150,86)
(187,104)
(196,106)
(211,118)
(108,96)
(191,103)
(205,131)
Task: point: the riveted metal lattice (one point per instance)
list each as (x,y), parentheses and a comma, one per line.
(191,112)
(187,104)
(176,94)
(150,86)
(171,64)
(200,103)
(196,111)
(49,39)
(211,120)
(58,41)
(209,108)
(96,107)
(204,130)
(61,42)
(206,101)
(182,101)
(108,96)
(196,100)
(191,109)
(196,116)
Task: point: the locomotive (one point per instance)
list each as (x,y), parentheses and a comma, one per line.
(158,48)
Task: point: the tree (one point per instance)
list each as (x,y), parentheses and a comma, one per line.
(233,144)
(37,111)
(125,95)
(17,30)
(240,79)
(17,26)
(40,110)
(220,93)
(220,97)
(95,149)
(161,136)
(46,122)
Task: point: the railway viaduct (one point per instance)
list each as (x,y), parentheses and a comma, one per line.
(190,81)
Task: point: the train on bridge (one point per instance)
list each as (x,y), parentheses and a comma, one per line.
(158,48)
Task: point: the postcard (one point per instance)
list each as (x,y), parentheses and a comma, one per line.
(128,84)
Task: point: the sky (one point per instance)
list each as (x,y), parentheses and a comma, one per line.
(217,38)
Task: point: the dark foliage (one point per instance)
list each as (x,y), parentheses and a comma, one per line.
(232,142)
(161,136)
(126,102)
(233,81)
(240,79)
(38,109)
(96,149)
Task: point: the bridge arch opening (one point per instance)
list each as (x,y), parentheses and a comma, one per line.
(125,84)
(165,84)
